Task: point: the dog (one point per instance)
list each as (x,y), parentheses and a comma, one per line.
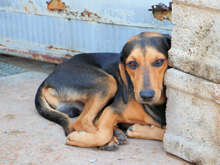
(106,89)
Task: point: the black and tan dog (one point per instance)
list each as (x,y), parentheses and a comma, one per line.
(121,88)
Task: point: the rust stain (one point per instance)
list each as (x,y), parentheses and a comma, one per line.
(26,10)
(30,8)
(89,14)
(46,149)
(16,132)
(85,15)
(9,116)
(3,45)
(56,5)
(46,58)
(68,56)
(36,56)
(52,47)
(162,12)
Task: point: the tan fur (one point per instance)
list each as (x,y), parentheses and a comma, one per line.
(104,132)
(134,113)
(50,95)
(145,34)
(148,132)
(145,68)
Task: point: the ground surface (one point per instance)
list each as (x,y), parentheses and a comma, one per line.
(28,139)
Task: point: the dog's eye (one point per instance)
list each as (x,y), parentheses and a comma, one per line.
(132,64)
(158,62)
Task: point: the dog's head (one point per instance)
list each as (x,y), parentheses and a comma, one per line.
(143,65)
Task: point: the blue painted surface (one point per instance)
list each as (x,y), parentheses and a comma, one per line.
(37,29)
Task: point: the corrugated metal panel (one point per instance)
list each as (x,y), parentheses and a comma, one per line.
(29,29)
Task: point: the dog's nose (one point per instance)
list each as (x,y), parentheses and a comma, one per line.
(147,95)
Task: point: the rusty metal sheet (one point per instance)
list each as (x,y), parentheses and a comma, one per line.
(57,29)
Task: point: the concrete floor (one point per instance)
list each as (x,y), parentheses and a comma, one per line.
(28,139)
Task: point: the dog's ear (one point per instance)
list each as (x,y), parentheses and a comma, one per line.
(167,41)
(124,82)
(127,85)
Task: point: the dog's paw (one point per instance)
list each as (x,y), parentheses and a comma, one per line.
(136,130)
(111,146)
(120,136)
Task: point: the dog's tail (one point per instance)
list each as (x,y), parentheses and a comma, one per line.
(45,110)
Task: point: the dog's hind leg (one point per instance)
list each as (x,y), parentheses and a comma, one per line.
(94,104)
(102,136)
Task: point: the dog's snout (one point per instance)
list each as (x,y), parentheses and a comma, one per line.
(147,95)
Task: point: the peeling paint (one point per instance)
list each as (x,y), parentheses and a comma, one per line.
(85,15)
(15,132)
(55,48)
(70,10)
(3,45)
(68,56)
(162,12)
(35,55)
(30,8)
(56,5)
(46,58)
(62,28)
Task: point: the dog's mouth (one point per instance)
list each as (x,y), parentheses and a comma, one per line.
(147,97)
(145,101)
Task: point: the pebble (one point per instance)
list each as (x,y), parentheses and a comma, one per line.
(92,160)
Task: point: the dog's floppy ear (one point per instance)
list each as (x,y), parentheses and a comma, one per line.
(167,41)
(127,85)
(124,82)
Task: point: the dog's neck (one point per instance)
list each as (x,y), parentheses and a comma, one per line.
(157,112)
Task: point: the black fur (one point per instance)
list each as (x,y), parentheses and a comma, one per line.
(157,112)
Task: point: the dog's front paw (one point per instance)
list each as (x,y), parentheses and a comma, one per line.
(110,146)
(137,130)
(120,136)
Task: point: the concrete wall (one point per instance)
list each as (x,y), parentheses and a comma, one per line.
(193,87)
(196,39)
(193,118)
